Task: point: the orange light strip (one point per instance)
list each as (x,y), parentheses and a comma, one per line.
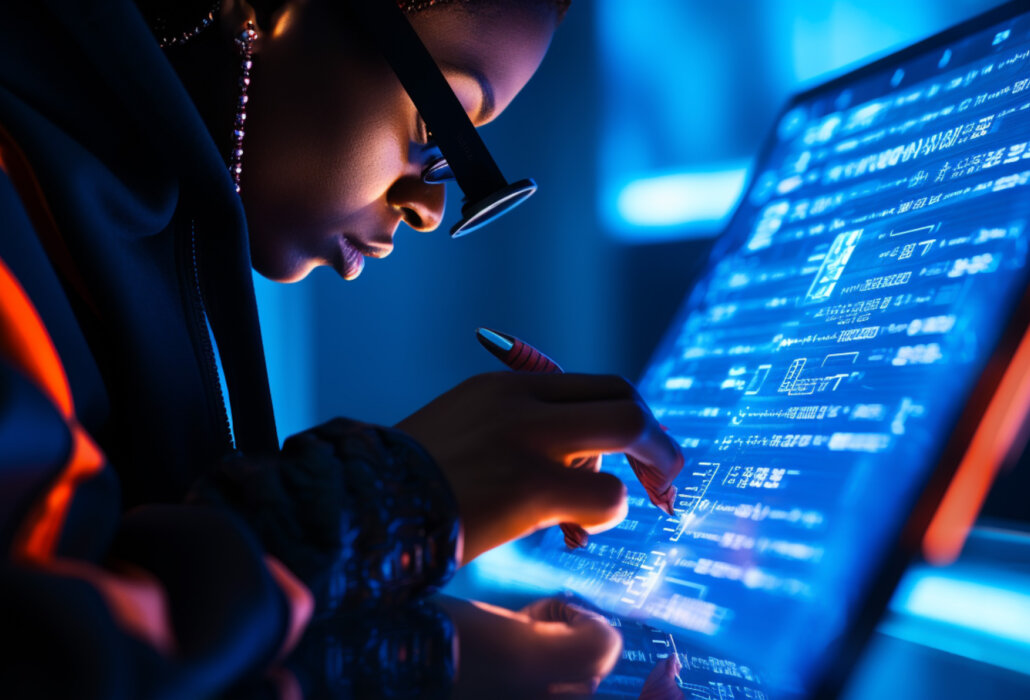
(991,445)
(38,538)
(25,340)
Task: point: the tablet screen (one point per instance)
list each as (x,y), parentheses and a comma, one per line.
(823,358)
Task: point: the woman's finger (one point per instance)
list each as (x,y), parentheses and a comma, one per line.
(590,463)
(594,501)
(613,426)
(657,483)
(564,388)
(573,643)
(661,682)
(549,648)
(575,536)
(595,427)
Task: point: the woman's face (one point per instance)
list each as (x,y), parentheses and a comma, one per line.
(335,149)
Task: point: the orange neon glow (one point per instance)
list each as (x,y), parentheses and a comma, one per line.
(138,602)
(25,340)
(991,445)
(38,539)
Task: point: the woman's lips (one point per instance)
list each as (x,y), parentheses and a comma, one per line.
(350,262)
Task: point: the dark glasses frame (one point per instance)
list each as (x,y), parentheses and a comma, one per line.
(488,194)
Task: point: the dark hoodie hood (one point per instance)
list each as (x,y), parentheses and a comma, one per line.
(134,181)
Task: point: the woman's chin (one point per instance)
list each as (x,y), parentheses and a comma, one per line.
(284,269)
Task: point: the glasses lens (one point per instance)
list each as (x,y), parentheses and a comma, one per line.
(437,171)
(479,214)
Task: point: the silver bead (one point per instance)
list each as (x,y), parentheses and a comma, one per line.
(171,39)
(245,47)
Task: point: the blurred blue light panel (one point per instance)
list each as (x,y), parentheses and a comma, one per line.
(696,199)
(980,615)
(978,607)
(992,609)
(690,90)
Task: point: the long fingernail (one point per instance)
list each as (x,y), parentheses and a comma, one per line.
(574,536)
(666,499)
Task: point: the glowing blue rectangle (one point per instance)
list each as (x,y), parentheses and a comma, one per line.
(677,201)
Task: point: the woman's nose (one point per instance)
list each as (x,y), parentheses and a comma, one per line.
(421,205)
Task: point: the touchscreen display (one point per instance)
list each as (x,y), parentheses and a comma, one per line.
(820,363)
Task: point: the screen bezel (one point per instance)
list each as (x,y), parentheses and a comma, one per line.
(901,551)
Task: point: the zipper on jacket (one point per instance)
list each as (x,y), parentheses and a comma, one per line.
(207,349)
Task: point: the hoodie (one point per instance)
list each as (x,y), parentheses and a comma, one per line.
(121,227)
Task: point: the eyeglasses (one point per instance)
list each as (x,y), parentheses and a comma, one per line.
(488,195)
(437,171)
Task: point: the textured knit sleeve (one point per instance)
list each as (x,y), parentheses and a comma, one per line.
(360,513)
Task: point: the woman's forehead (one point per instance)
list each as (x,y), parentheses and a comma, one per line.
(497,50)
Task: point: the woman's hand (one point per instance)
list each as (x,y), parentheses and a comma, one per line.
(505,441)
(550,648)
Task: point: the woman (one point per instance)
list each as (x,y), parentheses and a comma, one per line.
(126,248)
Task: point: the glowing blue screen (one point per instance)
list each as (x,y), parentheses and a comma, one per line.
(818,366)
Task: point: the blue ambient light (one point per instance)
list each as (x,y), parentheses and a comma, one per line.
(702,196)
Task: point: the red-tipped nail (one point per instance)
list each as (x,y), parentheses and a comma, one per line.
(575,536)
(670,501)
(516,354)
(666,500)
